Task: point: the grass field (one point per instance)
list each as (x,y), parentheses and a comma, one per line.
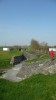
(5,57)
(37,87)
(1,72)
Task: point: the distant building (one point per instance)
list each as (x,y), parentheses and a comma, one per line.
(6,49)
(52,49)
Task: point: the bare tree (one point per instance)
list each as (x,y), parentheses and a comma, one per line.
(34,44)
(45,46)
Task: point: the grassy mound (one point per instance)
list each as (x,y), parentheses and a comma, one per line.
(44,57)
(37,87)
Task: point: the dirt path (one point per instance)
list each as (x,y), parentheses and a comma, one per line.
(11,73)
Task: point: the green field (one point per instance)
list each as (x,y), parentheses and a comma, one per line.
(5,57)
(37,87)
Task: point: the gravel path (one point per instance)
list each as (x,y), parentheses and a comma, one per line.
(11,73)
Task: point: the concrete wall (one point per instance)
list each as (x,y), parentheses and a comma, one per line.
(17,59)
(30,56)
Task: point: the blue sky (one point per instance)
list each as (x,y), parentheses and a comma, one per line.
(23,20)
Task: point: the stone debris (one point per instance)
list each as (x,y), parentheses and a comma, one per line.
(44,67)
(26,69)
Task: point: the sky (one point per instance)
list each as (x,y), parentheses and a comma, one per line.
(24,20)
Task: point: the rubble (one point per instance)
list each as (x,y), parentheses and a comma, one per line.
(44,67)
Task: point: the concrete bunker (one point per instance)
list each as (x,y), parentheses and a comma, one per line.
(17,59)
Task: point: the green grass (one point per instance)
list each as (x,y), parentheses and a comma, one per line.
(5,57)
(46,56)
(1,72)
(37,87)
